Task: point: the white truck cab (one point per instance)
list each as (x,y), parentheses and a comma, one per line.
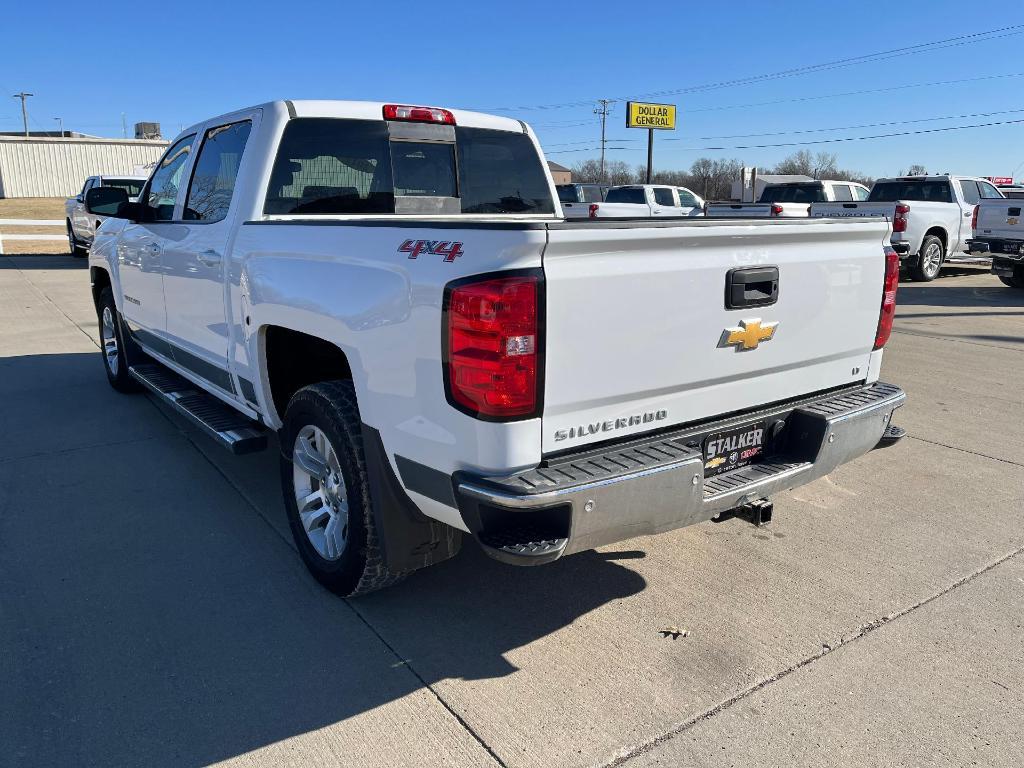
(392,290)
(640,201)
(791,199)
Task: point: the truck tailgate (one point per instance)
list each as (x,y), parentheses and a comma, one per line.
(1001,218)
(852,210)
(638,330)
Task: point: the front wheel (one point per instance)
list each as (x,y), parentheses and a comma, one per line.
(327,493)
(929,260)
(116,352)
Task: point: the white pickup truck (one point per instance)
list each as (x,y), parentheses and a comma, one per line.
(81,224)
(999,233)
(394,292)
(930,215)
(639,201)
(791,200)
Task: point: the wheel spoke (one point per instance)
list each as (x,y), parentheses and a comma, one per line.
(334,539)
(309,458)
(314,518)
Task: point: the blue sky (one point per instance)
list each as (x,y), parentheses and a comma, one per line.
(158,62)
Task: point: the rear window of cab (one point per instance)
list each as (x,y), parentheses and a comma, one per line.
(341,166)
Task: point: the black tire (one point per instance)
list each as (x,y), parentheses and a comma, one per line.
(1013,282)
(926,268)
(77,250)
(359,568)
(123,353)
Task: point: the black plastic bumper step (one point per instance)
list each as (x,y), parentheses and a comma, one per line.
(223,423)
(523,541)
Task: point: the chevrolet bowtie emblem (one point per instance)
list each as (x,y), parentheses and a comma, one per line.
(748,335)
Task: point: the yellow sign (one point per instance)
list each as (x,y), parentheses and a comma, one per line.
(641,115)
(749,334)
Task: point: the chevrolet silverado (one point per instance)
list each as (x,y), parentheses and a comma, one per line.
(393,292)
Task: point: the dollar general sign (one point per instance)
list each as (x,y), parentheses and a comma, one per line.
(641,115)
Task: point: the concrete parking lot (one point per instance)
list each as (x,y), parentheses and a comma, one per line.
(153,611)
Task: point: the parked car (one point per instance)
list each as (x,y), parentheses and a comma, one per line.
(999,233)
(82,225)
(640,201)
(931,217)
(393,291)
(791,200)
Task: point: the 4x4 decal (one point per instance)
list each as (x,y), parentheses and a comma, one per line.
(451,250)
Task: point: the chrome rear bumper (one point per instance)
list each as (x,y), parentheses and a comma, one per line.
(631,488)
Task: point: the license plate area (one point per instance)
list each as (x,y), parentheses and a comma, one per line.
(733,448)
(1013,248)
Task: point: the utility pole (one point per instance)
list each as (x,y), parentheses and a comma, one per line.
(60,125)
(24,112)
(124,126)
(603,111)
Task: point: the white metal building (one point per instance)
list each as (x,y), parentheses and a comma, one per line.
(37,166)
(764,180)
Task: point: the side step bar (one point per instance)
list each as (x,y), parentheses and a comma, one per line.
(220,421)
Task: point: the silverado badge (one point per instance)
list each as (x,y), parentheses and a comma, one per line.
(748,335)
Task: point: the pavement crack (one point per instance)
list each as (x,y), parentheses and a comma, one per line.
(942,337)
(89,447)
(863,631)
(965,450)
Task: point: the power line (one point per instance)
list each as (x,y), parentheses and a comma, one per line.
(846,138)
(855,93)
(928,47)
(841,128)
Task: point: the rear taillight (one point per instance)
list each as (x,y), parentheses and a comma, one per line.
(889,285)
(974,217)
(493,356)
(776,209)
(418,114)
(899,221)
(593,210)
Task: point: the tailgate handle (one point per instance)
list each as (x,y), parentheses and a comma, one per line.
(751,287)
(849,205)
(1013,212)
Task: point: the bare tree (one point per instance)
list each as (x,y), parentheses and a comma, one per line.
(915,170)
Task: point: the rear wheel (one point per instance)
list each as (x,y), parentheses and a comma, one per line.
(327,493)
(929,260)
(77,250)
(1017,281)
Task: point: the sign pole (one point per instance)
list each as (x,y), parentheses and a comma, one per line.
(650,153)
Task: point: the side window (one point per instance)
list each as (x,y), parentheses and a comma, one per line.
(860,193)
(327,165)
(216,169)
(842,193)
(988,191)
(163,187)
(970,190)
(663,196)
(687,198)
(88,185)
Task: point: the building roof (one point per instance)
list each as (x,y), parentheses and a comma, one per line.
(557,167)
(770,178)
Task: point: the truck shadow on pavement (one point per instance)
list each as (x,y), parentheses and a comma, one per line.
(51,261)
(151,615)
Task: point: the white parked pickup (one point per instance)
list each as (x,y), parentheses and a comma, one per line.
(999,233)
(81,224)
(930,215)
(790,200)
(639,201)
(393,290)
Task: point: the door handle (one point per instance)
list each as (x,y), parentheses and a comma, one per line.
(209,257)
(153,248)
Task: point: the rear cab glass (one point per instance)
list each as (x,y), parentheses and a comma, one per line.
(935,191)
(345,166)
(793,193)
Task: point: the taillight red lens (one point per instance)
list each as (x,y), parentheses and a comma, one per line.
(974,217)
(899,221)
(593,210)
(776,209)
(493,355)
(418,114)
(889,285)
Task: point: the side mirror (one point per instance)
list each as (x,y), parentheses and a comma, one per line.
(79,198)
(111,201)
